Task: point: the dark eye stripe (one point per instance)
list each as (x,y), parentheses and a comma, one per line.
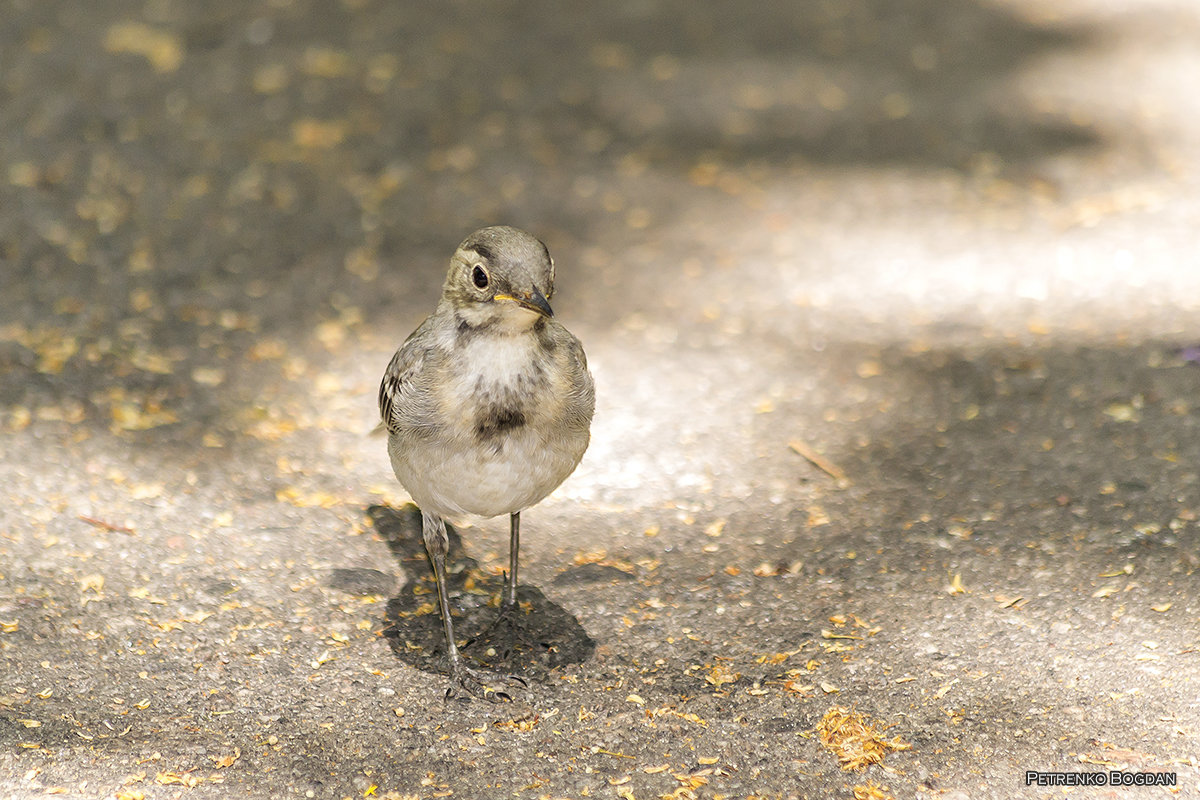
(484,251)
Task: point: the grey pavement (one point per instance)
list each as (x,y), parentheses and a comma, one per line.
(892,305)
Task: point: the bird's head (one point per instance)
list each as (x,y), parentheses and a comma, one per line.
(500,277)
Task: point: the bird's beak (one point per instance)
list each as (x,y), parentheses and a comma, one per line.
(534,301)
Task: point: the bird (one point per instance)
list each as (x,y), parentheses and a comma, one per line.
(488,407)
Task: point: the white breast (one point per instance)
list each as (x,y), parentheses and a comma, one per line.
(459,471)
(494,362)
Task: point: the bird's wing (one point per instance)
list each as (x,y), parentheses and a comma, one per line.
(583,388)
(400,387)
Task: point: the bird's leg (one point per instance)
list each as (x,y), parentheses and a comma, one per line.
(507,630)
(477,682)
(508,600)
(437,544)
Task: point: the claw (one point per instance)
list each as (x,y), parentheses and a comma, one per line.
(484,683)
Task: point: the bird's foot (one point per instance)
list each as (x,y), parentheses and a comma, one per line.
(507,634)
(495,687)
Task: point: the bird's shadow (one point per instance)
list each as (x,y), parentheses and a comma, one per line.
(538,638)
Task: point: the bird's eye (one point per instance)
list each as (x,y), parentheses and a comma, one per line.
(479,276)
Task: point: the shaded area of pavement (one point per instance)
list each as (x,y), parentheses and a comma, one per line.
(944,248)
(540,638)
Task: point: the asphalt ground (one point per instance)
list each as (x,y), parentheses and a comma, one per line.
(892,305)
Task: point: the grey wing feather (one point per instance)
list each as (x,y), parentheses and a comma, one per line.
(399,386)
(584,388)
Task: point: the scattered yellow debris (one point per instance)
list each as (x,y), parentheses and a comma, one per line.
(719,675)
(855,739)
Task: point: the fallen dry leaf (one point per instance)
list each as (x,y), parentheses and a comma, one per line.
(228,760)
(855,739)
(178,779)
(871,791)
(719,675)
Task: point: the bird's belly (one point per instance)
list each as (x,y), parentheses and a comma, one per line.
(456,476)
